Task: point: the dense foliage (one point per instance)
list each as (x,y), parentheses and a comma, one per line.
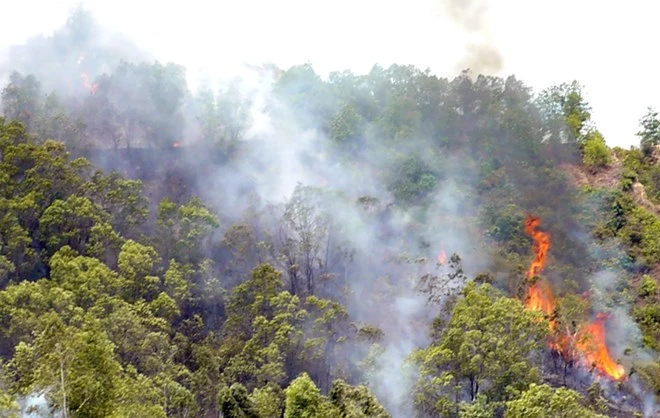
(120,297)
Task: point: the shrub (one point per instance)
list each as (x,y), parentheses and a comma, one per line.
(596,153)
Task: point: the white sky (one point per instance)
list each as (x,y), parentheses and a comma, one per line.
(610,47)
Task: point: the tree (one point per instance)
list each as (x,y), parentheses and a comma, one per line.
(411,180)
(596,154)
(263,330)
(78,223)
(355,92)
(470,353)
(304,400)
(571,311)
(566,113)
(345,125)
(87,278)
(233,109)
(542,401)
(21,99)
(235,403)
(55,122)
(224,117)
(103,118)
(145,101)
(123,199)
(650,133)
(136,263)
(302,240)
(9,408)
(355,401)
(182,230)
(268,401)
(79,364)
(305,94)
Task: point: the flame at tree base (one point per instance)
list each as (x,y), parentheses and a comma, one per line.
(589,342)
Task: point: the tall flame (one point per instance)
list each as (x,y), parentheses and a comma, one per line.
(540,247)
(539,292)
(589,341)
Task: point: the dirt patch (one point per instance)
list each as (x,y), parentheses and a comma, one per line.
(639,196)
(603,178)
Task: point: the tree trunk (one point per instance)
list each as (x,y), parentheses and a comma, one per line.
(65,408)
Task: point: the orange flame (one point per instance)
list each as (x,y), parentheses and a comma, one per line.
(589,341)
(442,257)
(540,298)
(176,145)
(540,247)
(539,293)
(591,344)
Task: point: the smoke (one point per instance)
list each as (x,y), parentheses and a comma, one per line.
(482,56)
(393,247)
(81,48)
(280,149)
(34,406)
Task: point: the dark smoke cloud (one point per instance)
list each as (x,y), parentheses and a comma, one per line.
(471,16)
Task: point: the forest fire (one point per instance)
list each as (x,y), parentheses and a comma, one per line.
(589,341)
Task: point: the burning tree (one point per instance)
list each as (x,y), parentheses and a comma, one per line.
(582,343)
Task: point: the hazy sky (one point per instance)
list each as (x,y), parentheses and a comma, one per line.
(610,47)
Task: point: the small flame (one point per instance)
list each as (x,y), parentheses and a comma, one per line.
(176,145)
(80,59)
(91,87)
(442,257)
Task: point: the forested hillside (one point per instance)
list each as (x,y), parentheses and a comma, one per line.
(389,244)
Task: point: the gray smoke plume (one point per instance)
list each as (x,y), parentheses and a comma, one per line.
(481,55)
(278,151)
(380,286)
